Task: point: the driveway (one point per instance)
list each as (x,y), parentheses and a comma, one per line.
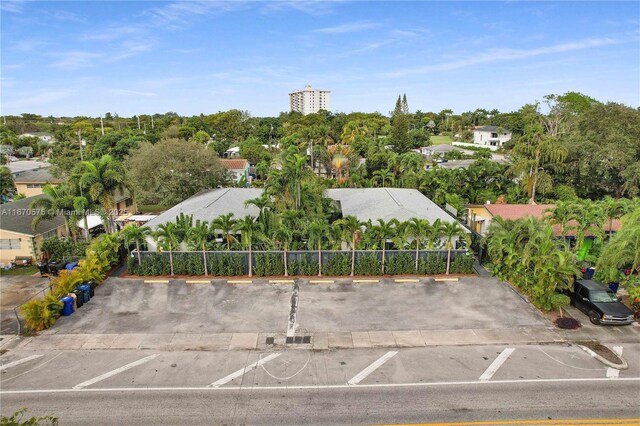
(14,291)
(130,306)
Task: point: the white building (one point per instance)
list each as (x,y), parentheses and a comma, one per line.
(309,101)
(491,136)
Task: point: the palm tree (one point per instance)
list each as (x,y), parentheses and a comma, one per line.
(132,232)
(165,236)
(58,201)
(318,233)
(293,170)
(613,209)
(416,229)
(433,233)
(383,175)
(249,229)
(449,231)
(262,203)
(284,235)
(101,179)
(561,214)
(384,231)
(225,224)
(351,229)
(589,218)
(198,236)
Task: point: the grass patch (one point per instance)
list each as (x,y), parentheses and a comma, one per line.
(438,140)
(152,208)
(19,270)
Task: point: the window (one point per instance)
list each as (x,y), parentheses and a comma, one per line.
(494,135)
(50,234)
(582,292)
(9,244)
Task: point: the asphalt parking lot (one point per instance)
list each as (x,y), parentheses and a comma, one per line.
(15,290)
(124,306)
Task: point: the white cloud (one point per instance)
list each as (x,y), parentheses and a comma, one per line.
(504,54)
(127,92)
(13,6)
(75,59)
(350,27)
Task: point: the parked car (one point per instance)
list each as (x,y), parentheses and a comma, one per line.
(599,303)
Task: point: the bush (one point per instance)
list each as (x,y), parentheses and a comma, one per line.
(187,264)
(368,264)
(462,264)
(304,266)
(152,264)
(568,323)
(226,264)
(339,264)
(268,264)
(64,248)
(401,263)
(42,314)
(433,264)
(16,419)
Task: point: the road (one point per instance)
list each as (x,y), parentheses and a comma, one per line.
(301,386)
(344,405)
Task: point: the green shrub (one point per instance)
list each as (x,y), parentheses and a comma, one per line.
(153,264)
(304,266)
(64,248)
(339,264)
(226,264)
(368,264)
(401,263)
(42,314)
(268,264)
(433,264)
(462,264)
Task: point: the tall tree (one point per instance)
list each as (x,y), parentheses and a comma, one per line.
(284,235)
(165,236)
(198,236)
(225,224)
(318,233)
(133,233)
(249,230)
(384,230)
(450,230)
(400,126)
(417,228)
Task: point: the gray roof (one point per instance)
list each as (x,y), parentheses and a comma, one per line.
(387,203)
(22,165)
(41,175)
(363,203)
(457,164)
(442,148)
(210,204)
(17,216)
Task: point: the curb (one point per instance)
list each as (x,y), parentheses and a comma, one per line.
(605,361)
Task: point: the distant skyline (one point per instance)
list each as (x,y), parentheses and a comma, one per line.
(191,57)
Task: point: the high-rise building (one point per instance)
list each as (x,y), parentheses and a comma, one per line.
(309,101)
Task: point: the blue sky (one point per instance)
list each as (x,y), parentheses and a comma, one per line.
(88,58)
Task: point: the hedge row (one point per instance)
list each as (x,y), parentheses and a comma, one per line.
(272,264)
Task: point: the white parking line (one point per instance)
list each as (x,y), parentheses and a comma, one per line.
(20,361)
(114,372)
(496,364)
(614,373)
(242,371)
(370,369)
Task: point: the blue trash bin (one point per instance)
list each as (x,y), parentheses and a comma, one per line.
(67,307)
(590,272)
(86,292)
(614,287)
(70,266)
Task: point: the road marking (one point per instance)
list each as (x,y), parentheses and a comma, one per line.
(322,281)
(156,281)
(445,279)
(407,280)
(496,364)
(366,281)
(542,422)
(281,281)
(198,281)
(345,386)
(243,371)
(614,373)
(20,361)
(114,372)
(373,367)
(239,281)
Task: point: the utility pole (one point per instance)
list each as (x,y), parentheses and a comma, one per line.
(102,126)
(138,122)
(152,126)
(80,142)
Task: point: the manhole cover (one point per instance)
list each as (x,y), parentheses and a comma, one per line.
(270,340)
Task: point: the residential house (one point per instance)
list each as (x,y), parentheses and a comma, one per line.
(31,182)
(238,168)
(43,136)
(491,136)
(17,236)
(479,217)
(364,203)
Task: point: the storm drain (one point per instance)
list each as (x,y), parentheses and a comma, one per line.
(298,340)
(270,340)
